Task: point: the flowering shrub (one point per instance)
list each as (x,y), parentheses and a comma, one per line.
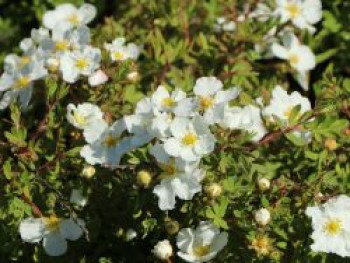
(177,131)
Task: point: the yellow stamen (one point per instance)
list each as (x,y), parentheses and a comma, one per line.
(168,102)
(293,59)
(333,227)
(201,251)
(118,55)
(293,10)
(111,141)
(52,223)
(261,245)
(61,45)
(79,119)
(206,102)
(22,82)
(81,63)
(74,19)
(189,139)
(24,61)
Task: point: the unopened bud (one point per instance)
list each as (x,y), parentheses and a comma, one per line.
(262,216)
(163,250)
(133,76)
(98,78)
(214,190)
(172,226)
(130,234)
(144,178)
(264,184)
(88,171)
(331,144)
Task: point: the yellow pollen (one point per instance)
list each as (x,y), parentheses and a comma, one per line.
(293,10)
(81,63)
(333,227)
(201,251)
(189,139)
(293,59)
(52,223)
(110,141)
(74,19)
(79,118)
(261,245)
(206,102)
(168,102)
(169,169)
(118,55)
(22,82)
(24,61)
(61,45)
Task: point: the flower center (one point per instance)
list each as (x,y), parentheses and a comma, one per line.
(22,82)
(61,45)
(79,119)
(24,61)
(118,55)
(333,227)
(201,251)
(206,102)
(294,59)
(293,10)
(189,139)
(168,102)
(261,245)
(169,169)
(74,19)
(81,63)
(110,141)
(52,223)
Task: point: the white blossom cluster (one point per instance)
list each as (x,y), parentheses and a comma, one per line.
(62,46)
(177,127)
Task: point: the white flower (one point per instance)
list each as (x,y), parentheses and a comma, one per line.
(18,78)
(76,197)
(175,102)
(111,145)
(262,12)
(98,78)
(69,14)
(80,62)
(281,106)
(201,244)
(331,226)
(191,139)
(299,56)
(264,184)
(247,118)
(53,231)
(130,234)
(120,52)
(83,115)
(262,216)
(302,13)
(211,99)
(223,25)
(163,250)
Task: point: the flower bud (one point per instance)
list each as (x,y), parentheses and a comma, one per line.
(88,171)
(163,250)
(130,234)
(213,190)
(172,226)
(98,78)
(262,216)
(330,144)
(133,76)
(144,178)
(264,184)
